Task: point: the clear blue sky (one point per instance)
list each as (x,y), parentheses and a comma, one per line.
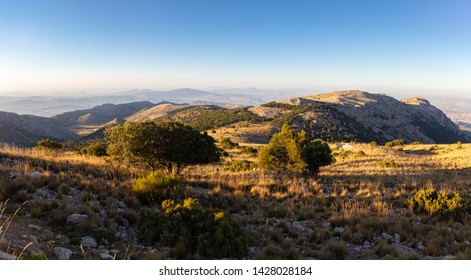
(380,45)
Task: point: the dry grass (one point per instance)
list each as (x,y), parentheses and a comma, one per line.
(352,203)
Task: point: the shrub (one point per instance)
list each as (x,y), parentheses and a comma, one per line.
(240,165)
(396,142)
(97,149)
(359,154)
(387,163)
(33,256)
(373,143)
(438,203)
(227,143)
(193,231)
(48,144)
(249,151)
(157,187)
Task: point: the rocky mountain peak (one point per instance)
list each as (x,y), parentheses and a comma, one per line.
(416,101)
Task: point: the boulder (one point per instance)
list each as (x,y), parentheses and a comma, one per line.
(88,242)
(35,175)
(76,219)
(105,256)
(62,253)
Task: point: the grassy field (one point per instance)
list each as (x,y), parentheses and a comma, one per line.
(358,208)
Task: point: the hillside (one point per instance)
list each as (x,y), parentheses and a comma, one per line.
(99,115)
(337,116)
(362,116)
(357,209)
(27,130)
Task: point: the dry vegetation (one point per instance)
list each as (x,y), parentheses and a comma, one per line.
(357,209)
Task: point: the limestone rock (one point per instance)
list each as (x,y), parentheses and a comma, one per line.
(88,242)
(76,218)
(62,253)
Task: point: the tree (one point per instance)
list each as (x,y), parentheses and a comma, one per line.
(170,145)
(288,150)
(315,154)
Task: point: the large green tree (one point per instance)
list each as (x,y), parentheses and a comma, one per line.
(288,150)
(170,145)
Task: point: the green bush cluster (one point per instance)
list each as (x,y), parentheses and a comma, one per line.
(218,118)
(49,144)
(97,149)
(240,165)
(226,143)
(156,187)
(249,151)
(396,142)
(193,231)
(438,203)
(288,150)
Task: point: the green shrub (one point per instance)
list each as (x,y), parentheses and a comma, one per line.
(387,163)
(48,144)
(192,230)
(438,203)
(227,143)
(97,149)
(240,165)
(157,187)
(359,154)
(396,142)
(373,143)
(33,256)
(249,151)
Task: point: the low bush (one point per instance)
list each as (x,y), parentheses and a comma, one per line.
(240,165)
(156,187)
(227,143)
(49,144)
(387,163)
(97,149)
(249,151)
(192,231)
(396,142)
(439,203)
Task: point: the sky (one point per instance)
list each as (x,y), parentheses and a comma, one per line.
(374,45)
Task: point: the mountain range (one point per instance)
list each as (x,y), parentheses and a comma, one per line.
(337,116)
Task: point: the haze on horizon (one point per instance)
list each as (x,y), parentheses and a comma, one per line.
(394,47)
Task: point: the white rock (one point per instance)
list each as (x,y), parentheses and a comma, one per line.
(300,227)
(62,253)
(386,236)
(76,218)
(35,175)
(105,256)
(420,247)
(36,227)
(339,230)
(88,242)
(366,244)
(397,238)
(122,204)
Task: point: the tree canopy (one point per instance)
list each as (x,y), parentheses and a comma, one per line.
(170,145)
(288,150)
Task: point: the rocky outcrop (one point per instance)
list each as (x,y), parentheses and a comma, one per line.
(367,117)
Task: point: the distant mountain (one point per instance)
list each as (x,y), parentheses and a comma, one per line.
(27,130)
(363,116)
(337,116)
(48,106)
(99,115)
